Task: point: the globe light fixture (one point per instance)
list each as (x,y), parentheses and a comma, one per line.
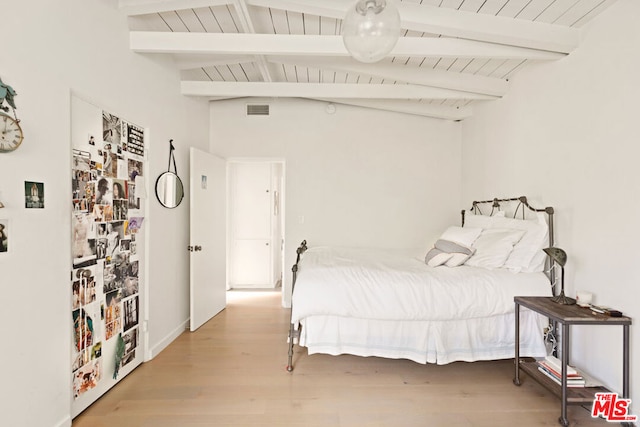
(371,29)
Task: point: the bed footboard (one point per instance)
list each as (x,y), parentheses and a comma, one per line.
(294,332)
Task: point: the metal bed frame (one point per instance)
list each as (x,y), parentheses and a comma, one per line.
(522,205)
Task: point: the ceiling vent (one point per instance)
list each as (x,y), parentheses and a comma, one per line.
(257,109)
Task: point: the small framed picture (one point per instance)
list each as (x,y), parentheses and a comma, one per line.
(33,195)
(4,235)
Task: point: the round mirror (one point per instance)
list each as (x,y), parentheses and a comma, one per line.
(169,190)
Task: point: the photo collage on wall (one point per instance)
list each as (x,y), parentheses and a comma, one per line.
(106,218)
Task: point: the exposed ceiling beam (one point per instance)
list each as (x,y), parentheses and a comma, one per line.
(403,73)
(323,90)
(285,44)
(452,23)
(144,7)
(247,26)
(408,107)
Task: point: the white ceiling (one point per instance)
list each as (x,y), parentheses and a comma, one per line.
(452,53)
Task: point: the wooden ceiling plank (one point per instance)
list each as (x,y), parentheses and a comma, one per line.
(195,74)
(305,90)
(228,23)
(493,7)
(208,20)
(459,64)
(295,22)
(191,21)
(594,12)
(290,73)
(261,20)
(203,61)
(555,10)
(512,8)
(451,4)
(226,73)
(138,7)
(172,19)
(471,5)
(329,26)
(279,21)
(445,63)
(279,44)
(534,9)
(311,24)
(238,72)
(577,12)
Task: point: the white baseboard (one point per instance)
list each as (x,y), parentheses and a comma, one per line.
(164,343)
(66,422)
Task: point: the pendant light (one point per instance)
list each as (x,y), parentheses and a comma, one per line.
(371,29)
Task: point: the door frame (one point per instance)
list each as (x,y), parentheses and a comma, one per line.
(282,197)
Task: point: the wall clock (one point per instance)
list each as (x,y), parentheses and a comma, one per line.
(11,135)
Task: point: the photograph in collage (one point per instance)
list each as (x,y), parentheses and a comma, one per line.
(111,128)
(130,308)
(4,235)
(83,239)
(83,329)
(87,377)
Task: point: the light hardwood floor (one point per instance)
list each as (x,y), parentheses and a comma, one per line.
(231,372)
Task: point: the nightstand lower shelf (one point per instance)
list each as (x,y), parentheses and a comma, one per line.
(575,395)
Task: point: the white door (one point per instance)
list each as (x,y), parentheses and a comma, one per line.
(207,237)
(251,247)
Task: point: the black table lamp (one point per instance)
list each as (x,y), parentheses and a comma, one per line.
(560,256)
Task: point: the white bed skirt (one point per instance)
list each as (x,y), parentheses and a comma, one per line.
(426,341)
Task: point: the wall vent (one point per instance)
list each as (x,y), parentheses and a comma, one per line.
(257,109)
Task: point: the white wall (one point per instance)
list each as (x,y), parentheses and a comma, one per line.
(359,177)
(50,52)
(567,135)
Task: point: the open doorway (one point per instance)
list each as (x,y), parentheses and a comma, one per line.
(256,224)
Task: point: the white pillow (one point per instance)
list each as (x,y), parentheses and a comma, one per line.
(457,259)
(461,235)
(481,221)
(453,247)
(437,258)
(537,263)
(493,247)
(536,234)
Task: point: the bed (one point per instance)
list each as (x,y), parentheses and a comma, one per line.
(454,303)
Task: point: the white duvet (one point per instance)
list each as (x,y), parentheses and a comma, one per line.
(387,285)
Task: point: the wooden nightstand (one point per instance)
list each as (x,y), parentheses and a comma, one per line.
(567,315)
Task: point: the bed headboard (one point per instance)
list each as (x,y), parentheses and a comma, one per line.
(514,207)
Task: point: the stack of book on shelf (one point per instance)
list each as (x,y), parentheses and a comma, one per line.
(552,367)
